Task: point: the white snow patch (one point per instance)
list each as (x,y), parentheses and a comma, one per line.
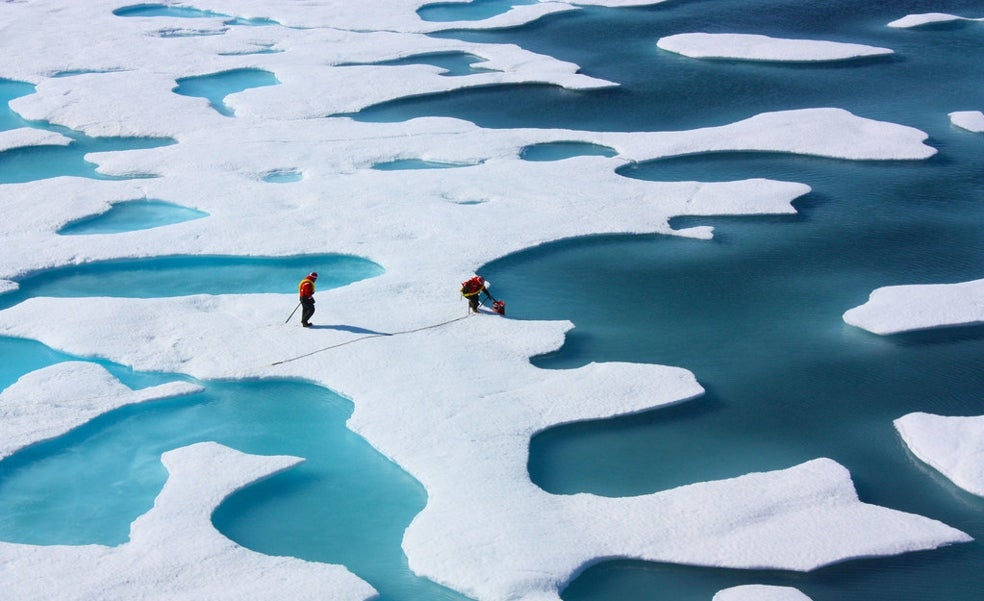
(918,20)
(954,446)
(895,309)
(27,136)
(969,120)
(760,592)
(752,47)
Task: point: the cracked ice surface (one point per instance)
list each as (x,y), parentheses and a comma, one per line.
(459,426)
(952,445)
(755,47)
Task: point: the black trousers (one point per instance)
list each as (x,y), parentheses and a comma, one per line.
(307,308)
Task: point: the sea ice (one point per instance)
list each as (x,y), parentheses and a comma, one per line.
(753,47)
(460,426)
(919,20)
(954,446)
(895,309)
(969,120)
(760,592)
(28,136)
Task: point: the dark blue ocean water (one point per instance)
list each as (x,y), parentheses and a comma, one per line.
(754,313)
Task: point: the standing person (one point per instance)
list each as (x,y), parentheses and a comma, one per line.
(306,291)
(472,290)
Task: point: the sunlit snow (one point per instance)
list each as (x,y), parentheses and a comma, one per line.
(480,531)
(951,444)
(743,46)
(904,308)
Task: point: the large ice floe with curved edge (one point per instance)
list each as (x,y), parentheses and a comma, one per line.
(481,532)
(754,47)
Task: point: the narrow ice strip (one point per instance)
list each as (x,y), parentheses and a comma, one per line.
(760,592)
(753,47)
(918,20)
(48,402)
(970,120)
(28,136)
(174,551)
(895,309)
(954,446)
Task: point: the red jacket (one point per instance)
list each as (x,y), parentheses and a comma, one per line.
(306,288)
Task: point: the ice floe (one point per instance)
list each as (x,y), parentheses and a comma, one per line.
(754,47)
(952,445)
(27,136)
(895,309)
(760,592)
(922,19)
(969,120)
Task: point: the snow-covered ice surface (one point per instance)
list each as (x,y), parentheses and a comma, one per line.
(895,309)
(760,592)
(753,47)
(923,19)
(27,136)
(969,120)
(953,445)
(467,436)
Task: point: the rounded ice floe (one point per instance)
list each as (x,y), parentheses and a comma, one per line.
(760,592)
(51,401)
(753,47)
(175,552)
(969,120)
(921,19)
(895,309)
(954,446)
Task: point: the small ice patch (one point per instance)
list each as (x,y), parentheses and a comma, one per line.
(895,309)
(764,48)
(925,19)
(760,592)
(970,120)
(952,445)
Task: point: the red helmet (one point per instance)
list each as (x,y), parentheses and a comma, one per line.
(313,275)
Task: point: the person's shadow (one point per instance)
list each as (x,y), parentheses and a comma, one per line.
(353,329)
